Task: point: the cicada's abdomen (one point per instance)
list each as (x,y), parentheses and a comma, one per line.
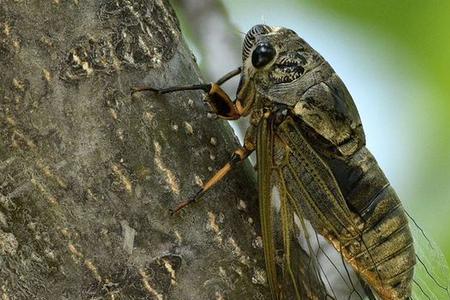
(384,253)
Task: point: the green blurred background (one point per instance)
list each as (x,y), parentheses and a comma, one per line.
(394,57)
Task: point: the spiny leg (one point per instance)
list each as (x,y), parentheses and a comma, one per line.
(239,155)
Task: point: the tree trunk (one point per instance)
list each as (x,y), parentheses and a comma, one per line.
(88,173)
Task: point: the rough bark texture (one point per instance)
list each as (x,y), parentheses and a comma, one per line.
(88,173)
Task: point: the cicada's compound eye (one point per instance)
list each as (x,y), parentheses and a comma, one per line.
(262,55)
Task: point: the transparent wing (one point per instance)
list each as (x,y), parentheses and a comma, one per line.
(431,274)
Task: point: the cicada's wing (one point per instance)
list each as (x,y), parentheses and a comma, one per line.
(290,272)
(431,274)
(300,264)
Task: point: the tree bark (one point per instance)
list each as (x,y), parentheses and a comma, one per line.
(88,173)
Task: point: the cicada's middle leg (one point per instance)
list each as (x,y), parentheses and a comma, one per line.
(225,108)
(239,155)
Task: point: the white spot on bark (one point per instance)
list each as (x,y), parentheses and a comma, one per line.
(188,128)
(257,242)
(3,220)
(171,271)
(47,74)
(198,181)
(148,287)
(259,276)
(213,141)
(242,205)
(128,236)
(169,176)
(8,243)
(18,84)
(243,258)
(6,29)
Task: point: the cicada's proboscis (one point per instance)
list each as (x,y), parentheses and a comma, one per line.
(332,225)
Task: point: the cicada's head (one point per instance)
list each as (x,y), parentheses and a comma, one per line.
(272,56)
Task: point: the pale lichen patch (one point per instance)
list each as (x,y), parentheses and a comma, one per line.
(6,29)
(259,276)
(3,220)
(188,128)
(113,113)
(126,182)
(128,234)
(42,189)
(219,296)
(169,176)
(171,271)
(18,84)
(65,232)
(244,259)
(91,267)
(87,68)
(151,290)
(149,118)
(242,205)
(213,141)
(3,293)
(178,236)
(74,251)
(16,44)
(84,64)
(198,180)
(8,244)
(22,137)
(45,169)
(222,272)
(46,74)
(257,242)
(212,224)
(11,121)
(214,227)
(77,256)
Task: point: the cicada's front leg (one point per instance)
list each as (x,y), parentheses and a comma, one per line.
(219,102)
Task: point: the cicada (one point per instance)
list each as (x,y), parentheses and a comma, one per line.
(321,191)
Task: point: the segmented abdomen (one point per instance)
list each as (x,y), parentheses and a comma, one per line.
(385,252)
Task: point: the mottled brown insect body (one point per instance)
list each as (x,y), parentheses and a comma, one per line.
(320,164)
(318,184)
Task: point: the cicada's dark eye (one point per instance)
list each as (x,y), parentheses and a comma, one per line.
(262,55)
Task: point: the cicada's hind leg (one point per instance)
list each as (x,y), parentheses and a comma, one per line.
(219,102)
(239,155)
